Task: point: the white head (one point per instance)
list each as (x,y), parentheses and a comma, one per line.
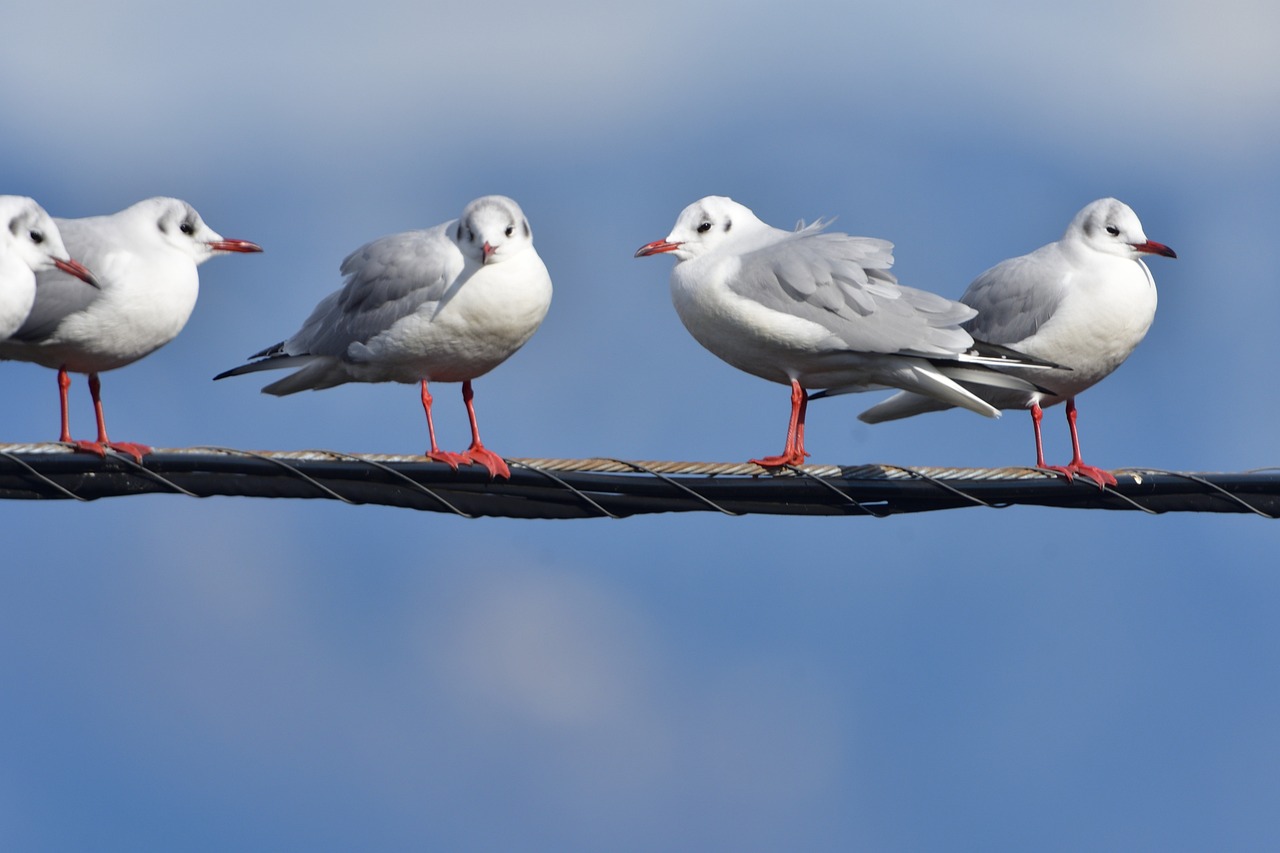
(177,225)
(492,229)
(1109,225)
(707,224)
(32,236)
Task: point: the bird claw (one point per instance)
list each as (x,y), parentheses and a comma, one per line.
(492,462)
(94,447)
(100,448)
(453,460)
(781,461)
(137,451)
(1098,475)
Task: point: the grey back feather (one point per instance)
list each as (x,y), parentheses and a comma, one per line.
(1010,309)
(843,283)
(386,280)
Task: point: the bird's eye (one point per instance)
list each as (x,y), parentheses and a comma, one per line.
(471,235)
(37,236)
(187,228)
(704,228)
(1113,231)
(510,230)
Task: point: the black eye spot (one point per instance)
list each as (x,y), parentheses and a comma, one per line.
(459,237)
(1113,231)
(510,230)
(728,223)
(526,228)
(37,236)
(187,228)
(704,228)
(471,235)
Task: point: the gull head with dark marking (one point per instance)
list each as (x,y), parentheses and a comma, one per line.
(31,234)
(492,229)
(709,224)
(175,225)
(442,304)
(1110,226)
(816,309)
(145,259)
(1083,302)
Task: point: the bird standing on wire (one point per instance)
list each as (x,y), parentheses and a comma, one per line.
(1084,302)
(445,304)
(144,259)
(816,309)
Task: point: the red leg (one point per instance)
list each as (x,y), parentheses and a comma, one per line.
(793,453)
(435,454)
(1099,476)
(137,451)
(1077,465)
(64,385)
(99,447)
(477,453)
(1037,415)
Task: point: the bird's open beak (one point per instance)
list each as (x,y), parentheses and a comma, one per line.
(77,269)
(234,246)
(657,247)
(1151,247)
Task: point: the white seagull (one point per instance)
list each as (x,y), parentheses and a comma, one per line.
(816,309)
(1084,302)
(29,243)
(445,304)
(144,259)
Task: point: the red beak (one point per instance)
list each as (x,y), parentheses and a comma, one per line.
(487,251)
(657,247)
(1151,247)
(77,269)
(234,246)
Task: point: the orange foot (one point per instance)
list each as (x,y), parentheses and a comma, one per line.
(1099,476)
(129,448)
(793,457)
(453,460)
(493,463)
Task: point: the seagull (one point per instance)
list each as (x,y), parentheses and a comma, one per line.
(816,309)
(444,304)
(144,259)
(1084,302)
(29,243)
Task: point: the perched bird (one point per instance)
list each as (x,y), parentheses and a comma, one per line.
(29,243)
(445,304)
(1084,303)
(816,309)
(144,259)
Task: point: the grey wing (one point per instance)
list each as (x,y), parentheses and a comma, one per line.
(843,283)
(386,280)
(57,295)
(1013,300)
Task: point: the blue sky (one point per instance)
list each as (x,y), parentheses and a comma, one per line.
(252,674)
